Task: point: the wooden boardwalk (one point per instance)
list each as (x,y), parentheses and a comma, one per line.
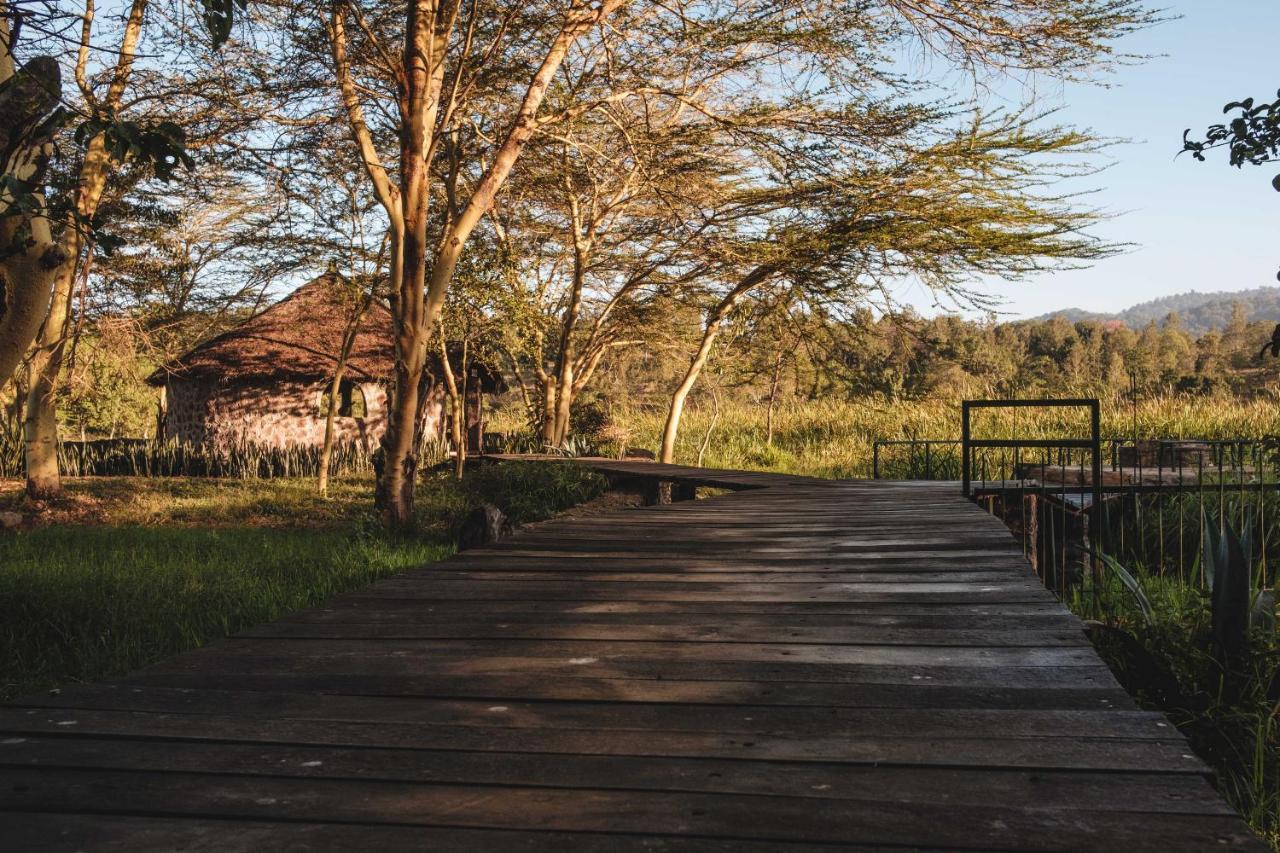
(804,665)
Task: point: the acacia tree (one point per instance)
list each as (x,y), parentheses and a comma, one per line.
(115,131)
(458,133)
(593,222)
(976,202)
(105,150)
(441,119)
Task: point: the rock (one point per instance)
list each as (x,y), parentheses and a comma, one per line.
(10,520)
(638,453)
(486,524)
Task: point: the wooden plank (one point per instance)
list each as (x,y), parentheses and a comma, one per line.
(56,832)
(1092,675)
(411,652)
(609,716)
(951,749)
(783,819)
(504,687)
(1021,789)
(584,630)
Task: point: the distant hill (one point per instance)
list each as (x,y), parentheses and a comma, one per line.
(1200,312)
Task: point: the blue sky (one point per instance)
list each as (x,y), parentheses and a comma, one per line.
(1198,226)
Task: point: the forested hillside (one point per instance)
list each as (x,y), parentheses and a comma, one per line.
(1199,312)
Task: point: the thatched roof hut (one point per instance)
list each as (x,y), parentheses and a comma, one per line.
(297,338)
(267,381)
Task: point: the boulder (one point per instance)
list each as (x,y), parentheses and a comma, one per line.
(10,520)
(485,525)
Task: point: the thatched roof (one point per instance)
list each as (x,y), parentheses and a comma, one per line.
(299,338)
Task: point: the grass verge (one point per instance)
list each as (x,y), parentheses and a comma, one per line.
(126,571)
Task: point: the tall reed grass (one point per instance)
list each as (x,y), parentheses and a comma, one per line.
(829,438)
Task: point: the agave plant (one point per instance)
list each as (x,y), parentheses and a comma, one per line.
(1132,584)
(1235,606)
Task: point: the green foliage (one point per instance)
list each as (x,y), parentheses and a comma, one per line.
(148,458)
(1252,136)
(82,603)
(524,491)
(172,564)
(1229,573)
(1131,584)
(162,145)
(1200,313)
(218,16)
(1166,658)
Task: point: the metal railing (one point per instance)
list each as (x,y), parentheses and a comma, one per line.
(1156,494)
(1093,443)
(1060,527)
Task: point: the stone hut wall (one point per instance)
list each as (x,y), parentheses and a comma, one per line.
(275,413)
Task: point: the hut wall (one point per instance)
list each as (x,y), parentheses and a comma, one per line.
(274,414)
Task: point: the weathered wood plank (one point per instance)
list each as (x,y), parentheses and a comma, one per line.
(775,818)
(984,748)
(1021,789)
(510,686)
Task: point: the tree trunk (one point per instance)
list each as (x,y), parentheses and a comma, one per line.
(349,334)
(676,407)
(330,421)
(399,459)
(549,393)
(423,268)
(717,317)
(40,429)
(457,434)
(573,310)
(773,399)
(457,409)
(564,405)
(27,275)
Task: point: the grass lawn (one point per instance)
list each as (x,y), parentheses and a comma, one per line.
(126,571)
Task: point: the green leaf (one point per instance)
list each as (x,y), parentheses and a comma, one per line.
(1209,559)
(1229,597)
(1131,583)
(218,16)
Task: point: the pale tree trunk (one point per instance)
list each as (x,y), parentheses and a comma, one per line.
(28,275)
(457,407)
(41,427)
(573,310)
(330,421)
(548,413)
(715,419)
(675,408)
(773,399)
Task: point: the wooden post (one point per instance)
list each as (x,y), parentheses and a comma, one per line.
(683,492)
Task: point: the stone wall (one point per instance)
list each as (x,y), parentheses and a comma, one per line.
(275,414)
